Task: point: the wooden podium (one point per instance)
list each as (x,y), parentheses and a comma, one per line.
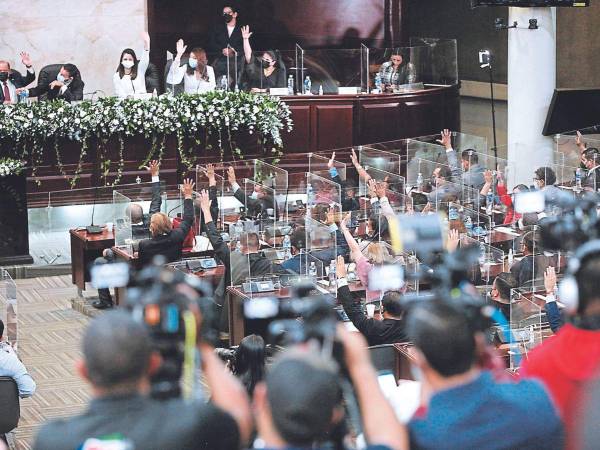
(14,225)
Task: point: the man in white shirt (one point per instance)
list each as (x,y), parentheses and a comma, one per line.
(11,366)
(11,80)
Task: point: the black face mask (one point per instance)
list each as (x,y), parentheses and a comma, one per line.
(265,64)
(3,76)
(227,17)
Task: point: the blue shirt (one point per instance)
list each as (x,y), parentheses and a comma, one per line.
(11,366)
(485,414)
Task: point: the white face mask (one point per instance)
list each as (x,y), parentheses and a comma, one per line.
(536,184)
(254,195)
(128,64)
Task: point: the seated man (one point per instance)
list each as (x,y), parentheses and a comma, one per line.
(118,360)
(501,291)
(140,224)
(466,407)
(531,268)
(258,203)
(326,255)
(250,262)
(299,403)
(590,158)
(63,83)
(166,240)
(469,172)
(11,366)
(442,190)
(390,330)
(11,80)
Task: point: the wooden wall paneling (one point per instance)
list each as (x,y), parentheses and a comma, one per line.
(378,122)
(299,138)
(332,126)
(421,116)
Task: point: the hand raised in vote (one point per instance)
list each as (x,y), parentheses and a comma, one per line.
(446,140)
(26,59)
(153,167)
(353,158)
(187,188)
(380,189)
(146,40)
(181,48)
(210,174)
(344,222)
(453,239)
(550,280)
(331,160)
(488,176)
(340,270)
(246,33)
(205,201)
(579,141)
(372,187)
(231,175)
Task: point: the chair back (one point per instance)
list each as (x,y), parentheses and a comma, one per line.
(384,358)
(10,411)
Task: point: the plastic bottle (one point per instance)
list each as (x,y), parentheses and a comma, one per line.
(332,269)
(482,257)
(312,270)
(578,180)
(378,85)
(511,257)
(320,89)
(419,181)
(469,225)
(238,247)
(307,85)
(224,83)
(291,85)
(287,247)
(489,203)
(23,96)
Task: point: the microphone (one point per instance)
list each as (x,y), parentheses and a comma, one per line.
(94,229)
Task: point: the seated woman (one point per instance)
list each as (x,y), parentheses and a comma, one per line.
(197,75)
(394,73)
(262,73)
(166,240)
(130,77)
(249,362)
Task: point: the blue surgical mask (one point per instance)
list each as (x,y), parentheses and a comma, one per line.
(254,195)
(193,63)
(60,77)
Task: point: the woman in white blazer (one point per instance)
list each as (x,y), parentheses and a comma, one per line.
(130,77)
(197,75)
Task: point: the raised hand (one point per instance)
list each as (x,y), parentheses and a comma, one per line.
(354,158)
(181,48)
(210,174)
(187,188)
(331,161)
(488,176)
(146,39)
(26,59)
(380,189)
(340,270)
(453,239)
(579,141)
(550,280)
(372,188)
(205,201)
(231,175)
(153,168)
(246,33)
(344,222)
(446,140)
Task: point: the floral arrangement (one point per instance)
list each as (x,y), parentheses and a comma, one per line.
(9,166)
(198,119)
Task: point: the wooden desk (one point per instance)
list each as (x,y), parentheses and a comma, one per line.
(85,248)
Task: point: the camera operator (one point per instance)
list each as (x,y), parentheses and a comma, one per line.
(377,332)
(300,401)
(118,360)
(249,361)
(466,407)
(570,359)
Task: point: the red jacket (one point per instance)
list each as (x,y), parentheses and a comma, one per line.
(566,363)
(511,215)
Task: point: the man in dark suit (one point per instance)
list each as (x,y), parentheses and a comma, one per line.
(390,330)
(222,35)
(166,240)
(590,158)
(58,82)
(11,80)
(258,203)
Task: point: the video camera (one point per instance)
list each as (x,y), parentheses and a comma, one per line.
(165,299)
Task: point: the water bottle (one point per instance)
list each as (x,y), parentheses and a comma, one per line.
(469,225)
(378,82)
(511,258)
(238,247)
(307,85)
(332,269)
(419,181)
(489,203)
(287,247)
(291,85)
(321,89)
(482,253)
(578,180)
(312,270)
(224,83)
(23,96)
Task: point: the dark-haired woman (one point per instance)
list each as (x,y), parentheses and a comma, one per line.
(249,363)
(264,72)
(130,77)
(197,75)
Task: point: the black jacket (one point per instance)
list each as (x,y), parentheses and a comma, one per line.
(47,75)
(169,245)
(18,81)
(219,38)
(377,332)
(348,203)
(152,77)
(142,230)
(255,207)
